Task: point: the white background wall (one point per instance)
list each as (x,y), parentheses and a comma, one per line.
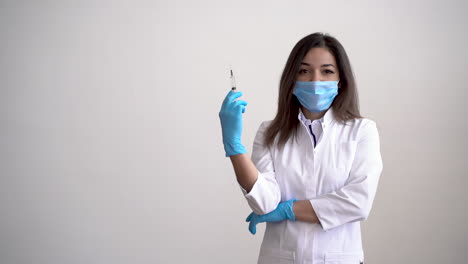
(111,144)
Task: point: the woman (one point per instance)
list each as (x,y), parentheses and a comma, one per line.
(315,167)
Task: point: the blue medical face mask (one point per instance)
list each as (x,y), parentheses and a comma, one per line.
(316,96)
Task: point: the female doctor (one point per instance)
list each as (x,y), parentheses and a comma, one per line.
(315,167)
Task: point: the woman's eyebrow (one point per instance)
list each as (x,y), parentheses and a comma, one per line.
(323,65)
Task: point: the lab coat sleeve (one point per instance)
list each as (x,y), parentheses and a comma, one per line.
(353,201)
(265,194)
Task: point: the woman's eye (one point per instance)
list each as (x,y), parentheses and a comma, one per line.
(301,71)
(328,71)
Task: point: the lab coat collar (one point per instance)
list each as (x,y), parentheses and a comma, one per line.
(326,119)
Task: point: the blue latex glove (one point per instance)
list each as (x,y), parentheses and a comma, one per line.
(231,123)
(284,211)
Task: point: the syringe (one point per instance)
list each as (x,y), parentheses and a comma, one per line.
(233,82)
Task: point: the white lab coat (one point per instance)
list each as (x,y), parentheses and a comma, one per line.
(339,177)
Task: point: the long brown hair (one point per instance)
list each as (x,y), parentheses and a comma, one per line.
(345,104)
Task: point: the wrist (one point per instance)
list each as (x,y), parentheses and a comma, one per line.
(291,214)
(234,148)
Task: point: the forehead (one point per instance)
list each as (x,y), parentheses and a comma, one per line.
(318,56)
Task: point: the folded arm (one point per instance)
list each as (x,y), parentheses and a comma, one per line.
(353,201)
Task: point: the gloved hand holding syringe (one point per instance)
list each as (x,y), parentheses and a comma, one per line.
(231,120)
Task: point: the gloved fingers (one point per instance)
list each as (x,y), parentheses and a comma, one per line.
(240,102)
(240,109)
(250,217)
(253,227)
(234,107)
(239,106)
(231,96)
